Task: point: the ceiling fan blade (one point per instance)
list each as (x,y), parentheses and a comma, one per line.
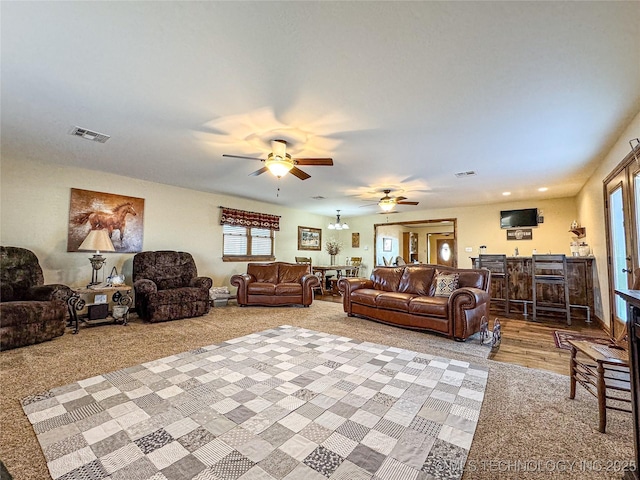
(400,198)
(407,203)
(368,205)
(239,156)
(295,171)
(258,172)
(314,161)
(387,213)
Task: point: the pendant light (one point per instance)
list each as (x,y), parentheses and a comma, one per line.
(338,225)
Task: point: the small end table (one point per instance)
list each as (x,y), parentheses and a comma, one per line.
(120,296)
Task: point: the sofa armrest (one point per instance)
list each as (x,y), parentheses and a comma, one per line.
(145,287)
(350,284)
(308,282)
(201,282)
(53,291)
(241,281)
(467,306)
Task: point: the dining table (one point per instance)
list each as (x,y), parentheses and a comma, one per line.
(339,269)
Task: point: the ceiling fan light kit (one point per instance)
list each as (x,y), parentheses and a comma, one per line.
(338,225)
(279,162)
(278,165)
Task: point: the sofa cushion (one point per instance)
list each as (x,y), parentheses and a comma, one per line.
(365,296)
(172,281)
(292,273)
(261,288)
(181,295)
(471,279)
(267,273)
(289,289)
(432,306)
(387,279)
(445,283)
(416,279)
(394,301)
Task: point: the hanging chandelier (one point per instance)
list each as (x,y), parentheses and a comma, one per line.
(338,225)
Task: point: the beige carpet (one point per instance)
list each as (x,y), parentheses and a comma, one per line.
(526,422)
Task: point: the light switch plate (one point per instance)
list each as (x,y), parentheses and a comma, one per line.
(468,249)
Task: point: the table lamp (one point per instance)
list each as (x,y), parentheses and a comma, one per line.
(96,240)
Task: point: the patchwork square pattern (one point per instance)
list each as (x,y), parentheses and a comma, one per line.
(280,404)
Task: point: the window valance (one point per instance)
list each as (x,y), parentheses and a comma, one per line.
(231,216)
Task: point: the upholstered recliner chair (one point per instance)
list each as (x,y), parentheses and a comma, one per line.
(167,286)
(30,312)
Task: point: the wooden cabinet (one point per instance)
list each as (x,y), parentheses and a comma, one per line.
(410,247)
(632,298)
(580,280)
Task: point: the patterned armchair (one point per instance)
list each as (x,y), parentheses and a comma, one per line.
(30,311)
(167,286)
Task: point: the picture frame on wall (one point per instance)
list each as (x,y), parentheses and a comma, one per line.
(309,238)
(121,216)
(355,240)
(387,244)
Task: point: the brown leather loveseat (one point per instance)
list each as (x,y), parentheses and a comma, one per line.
(276,283)
(451,301)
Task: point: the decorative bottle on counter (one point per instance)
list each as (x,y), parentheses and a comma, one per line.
(516,252)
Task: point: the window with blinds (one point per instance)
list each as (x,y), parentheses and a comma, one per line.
(247,243)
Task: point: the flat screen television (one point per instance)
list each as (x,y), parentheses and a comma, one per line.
(526,217)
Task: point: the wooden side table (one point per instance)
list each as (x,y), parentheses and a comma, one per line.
(120,296)
(604,369)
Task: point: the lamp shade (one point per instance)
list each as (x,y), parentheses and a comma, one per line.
(97,240)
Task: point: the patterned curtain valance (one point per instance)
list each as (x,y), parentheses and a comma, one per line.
(231,216)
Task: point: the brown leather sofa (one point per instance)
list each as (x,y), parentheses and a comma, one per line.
(30,312)
(276,283)
(405,296)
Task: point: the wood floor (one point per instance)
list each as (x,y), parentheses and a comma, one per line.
(527,343)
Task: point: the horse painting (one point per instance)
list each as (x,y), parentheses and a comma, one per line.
(114,220)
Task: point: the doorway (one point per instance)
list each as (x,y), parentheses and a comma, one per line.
(622,214)
(419,237)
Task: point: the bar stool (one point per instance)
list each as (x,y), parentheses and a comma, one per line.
(550,271)
(497,265)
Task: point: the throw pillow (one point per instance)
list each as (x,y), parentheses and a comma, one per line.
(445,284)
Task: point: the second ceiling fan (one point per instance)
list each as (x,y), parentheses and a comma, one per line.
(388,203)
(279,162)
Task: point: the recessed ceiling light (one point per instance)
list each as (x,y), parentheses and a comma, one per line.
(506,194)
(543,189)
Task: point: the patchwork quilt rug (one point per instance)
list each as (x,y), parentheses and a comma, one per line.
(286,403)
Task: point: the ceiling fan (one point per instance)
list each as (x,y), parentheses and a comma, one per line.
(387,203)
(279,162)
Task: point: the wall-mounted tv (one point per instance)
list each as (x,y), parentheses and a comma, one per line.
(527,217)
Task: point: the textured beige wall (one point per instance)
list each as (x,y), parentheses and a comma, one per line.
(35,212)
(590,202)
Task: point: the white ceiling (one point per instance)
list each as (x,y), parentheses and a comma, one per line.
(401,95)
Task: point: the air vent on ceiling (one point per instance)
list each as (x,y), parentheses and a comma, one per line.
(470,173)
(89,134)
(318,197)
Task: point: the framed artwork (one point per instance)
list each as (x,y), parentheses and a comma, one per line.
(121,216)
(387,244)
(355,240)
(309,238)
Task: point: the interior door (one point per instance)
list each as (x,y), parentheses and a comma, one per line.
(445,248)
(622,205)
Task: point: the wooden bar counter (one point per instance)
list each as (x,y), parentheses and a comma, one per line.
(579,277)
